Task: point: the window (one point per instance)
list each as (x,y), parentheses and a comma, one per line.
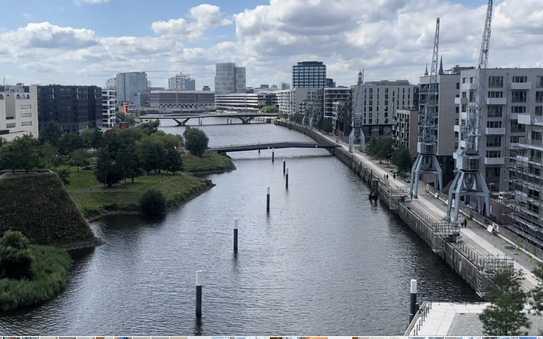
(518,109)
(493,154)
(495,81)
(11,125)
(539,82)
(495,111)
(536,136)
(538,110)
(495,94)
(493,141)
(518,96)
(539,96)
(463,80)
(520,78)
(26,123)
(494,124)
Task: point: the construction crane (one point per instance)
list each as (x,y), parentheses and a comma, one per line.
(468,182)
(426,162)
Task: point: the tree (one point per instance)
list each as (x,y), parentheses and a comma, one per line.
(15,257)
(91,137)
(150,127)
(173,161)
(381,148)
(151,154)
(196,141)
(505,316)
(402,159)
(51,134)
(20,154)
(64,175)
(79,158)
(69,142)
(153,204)
(128,159)
(536,295)
(108,169)
(270,109)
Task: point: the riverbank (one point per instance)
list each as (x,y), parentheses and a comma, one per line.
(50,274)
(209,163)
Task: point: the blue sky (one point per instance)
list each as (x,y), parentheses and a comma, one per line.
(74,41)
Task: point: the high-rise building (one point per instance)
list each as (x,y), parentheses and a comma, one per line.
(509,98)
(131,88)
(18,111)
(310,74)
(229,78)
(73,108)
(375,104)
(182,82)
(109,108)
(331,97)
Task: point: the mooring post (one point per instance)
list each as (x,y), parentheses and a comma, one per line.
(198,295)
(286,180)
(413,300)
(273,156)
(284,166)
(268,201)
(236,237)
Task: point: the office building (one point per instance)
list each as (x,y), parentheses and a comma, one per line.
(131,88)
(309,74)
(73,108)
(229,78)
(245,102)
(406,130)
(109,108)
(181,101)
(182,82)
(375,104)
(332,97)
(330,83)
(18,111)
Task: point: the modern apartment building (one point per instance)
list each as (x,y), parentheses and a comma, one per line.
(229,78)
(526,151)
(181,101)
(309,74)
(508,95)
(131,88)
(332,97)
(109,108)
(306,103)
(406,130)
(18,111)
(73,108)
(375,104)
(246,102)
(182,82)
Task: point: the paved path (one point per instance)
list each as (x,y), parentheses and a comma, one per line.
(475,233)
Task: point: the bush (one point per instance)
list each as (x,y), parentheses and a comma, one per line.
(402,159)
(15,258)
(153,204)
(196,141)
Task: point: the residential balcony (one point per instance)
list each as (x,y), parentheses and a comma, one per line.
(460,101)
(495,131)
(524,119)
(494,161)
(457,128)
(521,85)
(496,101)
(467,86)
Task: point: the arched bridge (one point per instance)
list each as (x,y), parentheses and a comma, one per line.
(274,145)
(182,120)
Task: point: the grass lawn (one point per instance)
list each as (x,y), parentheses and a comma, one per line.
(94,199)
(50,269)
(209,162)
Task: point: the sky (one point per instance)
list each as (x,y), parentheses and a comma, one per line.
(88,41)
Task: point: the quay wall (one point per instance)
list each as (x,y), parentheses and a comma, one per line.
(475,269)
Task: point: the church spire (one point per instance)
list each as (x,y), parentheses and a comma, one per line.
(441,66)
(426,72)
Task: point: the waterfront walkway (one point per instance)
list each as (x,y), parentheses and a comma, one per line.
(474,235)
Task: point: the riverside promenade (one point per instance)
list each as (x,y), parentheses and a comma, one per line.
(475,254)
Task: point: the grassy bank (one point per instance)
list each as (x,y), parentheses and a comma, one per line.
(50,269)
(94,199)
(211,162)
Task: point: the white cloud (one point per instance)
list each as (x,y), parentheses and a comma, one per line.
(202,18)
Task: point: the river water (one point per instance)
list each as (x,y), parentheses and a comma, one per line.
(323,262)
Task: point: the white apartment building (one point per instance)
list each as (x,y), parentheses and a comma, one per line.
(18,111)
(109,108)
(375,103)
(508,95)
(333,96)
(406,130)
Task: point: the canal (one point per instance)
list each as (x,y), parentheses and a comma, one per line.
(324,262)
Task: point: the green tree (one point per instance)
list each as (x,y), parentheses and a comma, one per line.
(20,154)
(381,148)
(153,204)
(128,158)
(536,295)
(173,161)
(151,154)
(79,158)
(15,258)
(51,134)
(196,141)
(64,175)
(69,142)
(150,127)
(91,137)
(270,109)
(402,159)
(108,170)
(505,315)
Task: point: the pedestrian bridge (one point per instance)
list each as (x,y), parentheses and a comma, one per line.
(275,145)
(182,120)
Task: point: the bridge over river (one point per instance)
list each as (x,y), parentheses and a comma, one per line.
(183,119)
(273,145)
